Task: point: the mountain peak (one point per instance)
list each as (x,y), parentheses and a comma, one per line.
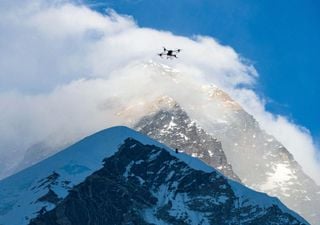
(220,97)
(145,184)
(148,180)
(173,127)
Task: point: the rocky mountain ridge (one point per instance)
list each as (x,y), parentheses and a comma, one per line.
(172,126)
(144,184)
(140,178)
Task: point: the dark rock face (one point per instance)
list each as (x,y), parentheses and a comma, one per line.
(50,197)
(174,128)
(49,181)
(144,184)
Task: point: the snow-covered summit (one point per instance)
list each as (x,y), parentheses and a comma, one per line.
(19,192)
(43,187)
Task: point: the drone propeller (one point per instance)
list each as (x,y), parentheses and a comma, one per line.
(169,53)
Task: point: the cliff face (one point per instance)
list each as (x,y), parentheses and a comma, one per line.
(173,127)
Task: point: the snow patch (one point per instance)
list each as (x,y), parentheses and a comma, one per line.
(279,178)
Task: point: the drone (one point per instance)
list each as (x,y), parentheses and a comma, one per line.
(169,53)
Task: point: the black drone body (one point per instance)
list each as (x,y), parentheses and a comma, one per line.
(170,54)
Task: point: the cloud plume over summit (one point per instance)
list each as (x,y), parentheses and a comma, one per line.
(67,71)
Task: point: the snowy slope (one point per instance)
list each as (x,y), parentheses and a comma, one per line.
(39,188)
(18,193)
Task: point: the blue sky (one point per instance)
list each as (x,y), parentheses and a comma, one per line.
(280,38)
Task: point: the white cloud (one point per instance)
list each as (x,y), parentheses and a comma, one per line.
(66,71)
